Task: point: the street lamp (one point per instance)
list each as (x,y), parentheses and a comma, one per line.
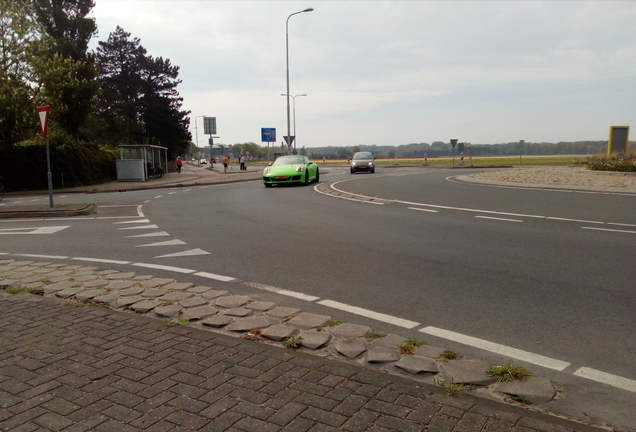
(287,58)
(196,132)
(294,99)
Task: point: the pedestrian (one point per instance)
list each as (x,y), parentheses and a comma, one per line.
(179,164)
(242,162)
(225,161)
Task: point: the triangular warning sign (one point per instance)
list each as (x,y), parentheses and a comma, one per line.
(43,116)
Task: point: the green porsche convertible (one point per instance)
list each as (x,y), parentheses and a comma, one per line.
(290,169)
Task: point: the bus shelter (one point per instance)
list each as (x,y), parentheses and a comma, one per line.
(136,162)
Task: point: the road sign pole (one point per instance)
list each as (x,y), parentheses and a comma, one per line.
(48,167)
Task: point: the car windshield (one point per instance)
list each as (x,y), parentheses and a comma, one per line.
(363,155)
(289,160)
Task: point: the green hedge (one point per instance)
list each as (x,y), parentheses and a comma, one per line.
(73,164)
(620,163)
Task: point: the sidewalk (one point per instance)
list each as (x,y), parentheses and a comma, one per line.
(67,365)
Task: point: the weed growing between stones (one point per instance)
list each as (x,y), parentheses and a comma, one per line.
(454,389)
(521,399)
(409,346)
(333,322)
(292,343)
(508,372)
(449,355)
(371,334)
(179,321)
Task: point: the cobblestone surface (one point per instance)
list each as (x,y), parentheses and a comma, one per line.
(77,368)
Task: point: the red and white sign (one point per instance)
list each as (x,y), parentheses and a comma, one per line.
(43,116)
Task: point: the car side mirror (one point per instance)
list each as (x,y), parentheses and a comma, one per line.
(269,164)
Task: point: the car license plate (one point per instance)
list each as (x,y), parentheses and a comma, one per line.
(362,166)
(280,177)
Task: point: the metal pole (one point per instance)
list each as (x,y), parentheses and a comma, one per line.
(48,173)
(287,61)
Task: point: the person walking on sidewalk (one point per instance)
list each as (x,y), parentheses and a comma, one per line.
(225,161)
(242,162)
(179,164)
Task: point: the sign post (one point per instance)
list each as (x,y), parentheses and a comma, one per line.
(43,116)
(453,143)
(268,135)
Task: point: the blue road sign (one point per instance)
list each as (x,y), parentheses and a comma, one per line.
(268,134)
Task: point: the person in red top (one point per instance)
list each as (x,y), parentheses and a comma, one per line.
(179,164)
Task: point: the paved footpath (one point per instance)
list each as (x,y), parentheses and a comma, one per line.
(65,367)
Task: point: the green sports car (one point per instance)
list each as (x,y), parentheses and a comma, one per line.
(290,169)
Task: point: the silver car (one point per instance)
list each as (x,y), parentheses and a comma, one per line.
(362,161)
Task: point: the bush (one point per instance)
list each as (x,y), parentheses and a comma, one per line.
(73,163)
(623,163)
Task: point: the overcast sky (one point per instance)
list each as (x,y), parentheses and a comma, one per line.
(395,72)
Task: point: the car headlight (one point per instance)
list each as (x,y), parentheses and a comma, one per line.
(266,170)
(299,169)
(370,163)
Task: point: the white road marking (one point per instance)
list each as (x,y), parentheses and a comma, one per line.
(370,314)
(139,212)
(101,260)
(69,218)
(158,196)
(621,224)
(154,234)
(171,193)
(191,252)
(132,221)
(471,210)
(139,227)
(116,217)
(501,219)
(504,350)
(164,267)
(282,291)
(31,230)
(18,202)
(610,230)
(345,198)
(42,256)
(164,243)
(147,201)
(605,378)
(575,220)
(215,276)
(424,210)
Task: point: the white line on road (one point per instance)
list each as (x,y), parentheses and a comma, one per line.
(164,243)
(526,356)
(139,212)
(281,291)
(370,314)
(575,220)
(605,378)
(164,267)
(100,260)
(215,276)
(501,219)
(424,210)
(154,234)
(621,224)
(42,256)
(138,227)
(610,230)
(132,221)
(191,252)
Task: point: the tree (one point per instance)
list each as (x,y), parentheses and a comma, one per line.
(68,74)
(19,42)
(140,102)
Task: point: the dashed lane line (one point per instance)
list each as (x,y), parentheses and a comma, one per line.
(282,291)
(499,219)
(154,234)
(526,356)
(606,378)
(370,314)
(139,227)
(164,243)
(424,210)
(610,230)
(164,267)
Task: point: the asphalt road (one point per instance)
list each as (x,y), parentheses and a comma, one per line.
(513,272)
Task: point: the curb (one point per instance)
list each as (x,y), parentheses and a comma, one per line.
(42,211)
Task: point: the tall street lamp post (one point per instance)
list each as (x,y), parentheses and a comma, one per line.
(294,110)
(196,132)
(287,57)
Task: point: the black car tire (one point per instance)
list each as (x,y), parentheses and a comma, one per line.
(306,176)
(267,184)
(352,171)
(373,171)
(317,175)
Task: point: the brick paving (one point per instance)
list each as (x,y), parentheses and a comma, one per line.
(78,368)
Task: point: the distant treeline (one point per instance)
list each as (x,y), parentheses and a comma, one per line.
(438,149)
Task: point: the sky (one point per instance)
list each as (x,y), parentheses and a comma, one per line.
(394,72)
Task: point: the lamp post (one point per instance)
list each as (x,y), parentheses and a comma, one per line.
(520,150)
(287,58)
(196,132)
(294,109)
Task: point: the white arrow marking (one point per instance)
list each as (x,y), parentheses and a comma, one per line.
(164,243)
(40,230)
(190,252)
(155,234)
(139,227)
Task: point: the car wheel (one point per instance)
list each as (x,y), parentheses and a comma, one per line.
(267,184)
(373,171)
(306,176)
(317,176)
(352,171)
